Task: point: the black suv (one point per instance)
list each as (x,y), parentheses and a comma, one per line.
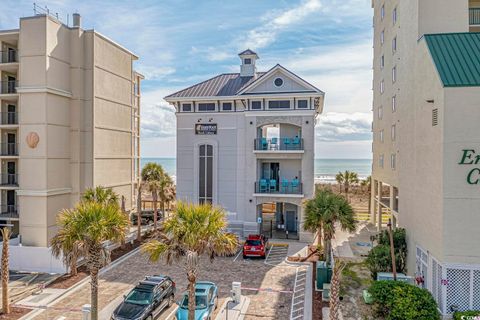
(149,297)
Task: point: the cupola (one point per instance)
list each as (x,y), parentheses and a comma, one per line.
(247,68)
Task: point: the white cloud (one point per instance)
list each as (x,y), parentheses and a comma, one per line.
(155,73)
(334,127)
(275,22)
(157,115)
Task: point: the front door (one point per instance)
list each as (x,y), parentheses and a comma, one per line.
(11,172)
(291,221)
(11,144)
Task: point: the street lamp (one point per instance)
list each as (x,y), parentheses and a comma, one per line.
(392,252)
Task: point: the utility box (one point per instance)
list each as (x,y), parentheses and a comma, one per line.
(324,274)
(400,277)
(326,292)
(236,291)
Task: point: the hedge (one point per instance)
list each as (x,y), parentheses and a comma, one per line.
(467,315)
(397,300)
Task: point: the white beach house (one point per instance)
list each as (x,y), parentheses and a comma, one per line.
(245,141)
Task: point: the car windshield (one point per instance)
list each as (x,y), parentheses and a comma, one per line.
(139,297)
(254,243)
(200,302)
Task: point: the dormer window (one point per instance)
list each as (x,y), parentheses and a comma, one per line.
(247,61)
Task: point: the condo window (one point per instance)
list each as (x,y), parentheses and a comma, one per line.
(206,107)
(394,16)
(382,12)
(393,132)
(186,107)
(380,112)
(247,61)
(394,74)
(227,106)
(394,44)
(256,105)
(382,36)
(302,104)
(380,161)
(394,103)
(393,161)
(382,62)
(382,86)
(279,104)
(381,135)
(205,181)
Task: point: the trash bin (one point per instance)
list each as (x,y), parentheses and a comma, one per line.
(324,274)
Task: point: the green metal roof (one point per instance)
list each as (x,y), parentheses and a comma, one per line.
(457,58)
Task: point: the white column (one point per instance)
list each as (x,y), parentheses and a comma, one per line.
(373,204)
(392,199)
(379,222)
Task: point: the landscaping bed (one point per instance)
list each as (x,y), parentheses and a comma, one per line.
(15,313)
(355,278)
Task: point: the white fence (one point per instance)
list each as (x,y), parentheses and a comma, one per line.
(33,259)
(454,287)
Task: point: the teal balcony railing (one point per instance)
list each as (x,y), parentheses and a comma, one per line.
(474,16)
(284,186)
(283,143)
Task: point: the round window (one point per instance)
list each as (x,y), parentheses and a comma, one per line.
(278,82)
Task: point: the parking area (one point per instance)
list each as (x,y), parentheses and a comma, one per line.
(269,283)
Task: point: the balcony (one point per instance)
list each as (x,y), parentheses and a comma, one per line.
(8,118)
(279,144)
(474,16)
(8,211)
(9,179)
(8,149)
(282,187)
(8,87)
(9,56)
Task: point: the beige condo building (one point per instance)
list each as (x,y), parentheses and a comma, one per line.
(426,173)
(70,118)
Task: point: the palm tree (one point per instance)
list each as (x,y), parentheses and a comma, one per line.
(153,177)
(164,191)
(346,179)
(88,226)
(322,214)
(367,184)
(101,195)
(190,232)
(139,211)
(5,270)
(335,289)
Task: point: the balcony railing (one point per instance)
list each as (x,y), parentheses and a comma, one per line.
(8,118)
(9,179)
(8,56)
(273,186)
(8,211)
(8,86)
(282,144)
(8,149)
(474,16)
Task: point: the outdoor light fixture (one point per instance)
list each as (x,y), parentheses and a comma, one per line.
(251,122)
(306,122)
(210,120)
(430,101)
(199,119)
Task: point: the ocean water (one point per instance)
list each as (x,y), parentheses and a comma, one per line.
(325,169)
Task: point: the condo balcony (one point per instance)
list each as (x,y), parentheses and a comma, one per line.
(8,211)
(8,86)
(282,186)
(474,16)
(279,144)
(8,118)
(9,179)
(9,56)
(9,149)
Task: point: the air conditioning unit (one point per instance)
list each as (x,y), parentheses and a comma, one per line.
(400,277)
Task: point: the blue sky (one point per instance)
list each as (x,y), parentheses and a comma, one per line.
(182,42)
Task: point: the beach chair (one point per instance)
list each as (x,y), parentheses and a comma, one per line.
(295,185)
(273,185)
(284,185)
(286,143)
(263,185)
(274,143)
(264,143)
(296,143)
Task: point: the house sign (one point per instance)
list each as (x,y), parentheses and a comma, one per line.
(472,158)
(206,128)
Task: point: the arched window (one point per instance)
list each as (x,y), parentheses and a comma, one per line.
(205,179)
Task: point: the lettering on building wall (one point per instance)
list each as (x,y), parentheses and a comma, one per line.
(471,157)
(206,128)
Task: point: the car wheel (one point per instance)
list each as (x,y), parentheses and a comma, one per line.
(244,257)
(171,300)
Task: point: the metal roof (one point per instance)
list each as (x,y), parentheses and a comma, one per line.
(456,57)
(226,84)
(248,51)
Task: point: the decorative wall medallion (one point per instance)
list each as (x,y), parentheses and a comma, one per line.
(32,139)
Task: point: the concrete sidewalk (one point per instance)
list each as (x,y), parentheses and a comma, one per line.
(236,311)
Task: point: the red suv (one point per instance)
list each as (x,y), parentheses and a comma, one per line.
(255,246)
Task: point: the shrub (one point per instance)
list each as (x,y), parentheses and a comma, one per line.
(466,315)
(397,300)
(379,258)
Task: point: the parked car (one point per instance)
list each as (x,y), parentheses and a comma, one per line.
(147,300)
(147,217)
(206,301)
(255,246)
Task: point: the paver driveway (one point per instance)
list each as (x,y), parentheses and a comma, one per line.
(267,303)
